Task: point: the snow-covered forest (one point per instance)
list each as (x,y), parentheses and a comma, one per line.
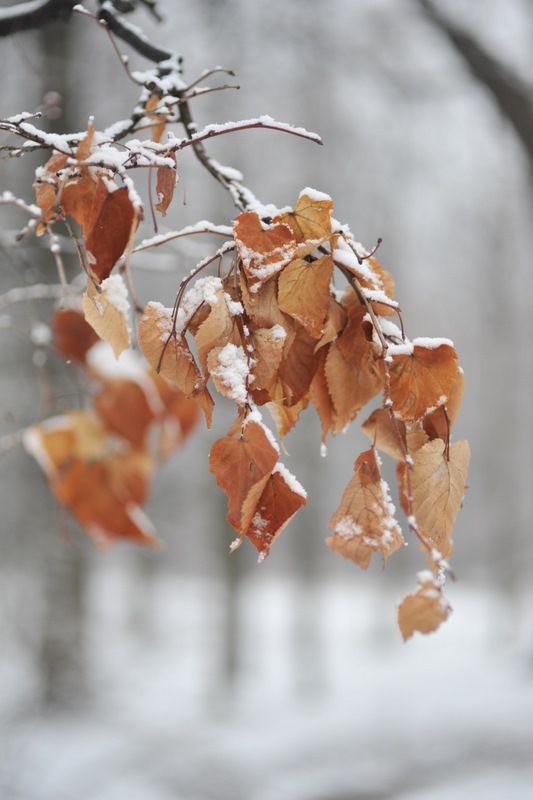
(185,673)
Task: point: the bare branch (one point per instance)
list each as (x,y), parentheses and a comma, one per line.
(513,96)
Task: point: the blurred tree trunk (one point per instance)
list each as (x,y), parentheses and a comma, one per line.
(61,653)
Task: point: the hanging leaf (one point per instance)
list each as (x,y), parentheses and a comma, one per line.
(103,488)
(364,522)
(303,292)
(438,485)
(169,354)
(310,221)
(242,466)
(106,310)
(280,499)
(425,609)
(73,336)
(421,381)
(166,183)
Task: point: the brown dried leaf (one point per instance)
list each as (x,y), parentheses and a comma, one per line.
(364,522)
(73,336)
(380,429)
(421,381)
(425,609)
(110,229)
(106,310)
(165,185)
(435,424)
(303,292)
(280,499)
(438,487)
(264,250)
(169,354)
(242,466)
(102,488)
(350,387)
(310,222)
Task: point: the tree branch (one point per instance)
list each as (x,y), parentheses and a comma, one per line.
(33,14)
(513,96)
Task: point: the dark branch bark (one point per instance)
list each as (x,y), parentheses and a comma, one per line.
(513,96)
(34,14)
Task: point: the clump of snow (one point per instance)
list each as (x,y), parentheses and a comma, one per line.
(348,528)
(293,484)
(233,371)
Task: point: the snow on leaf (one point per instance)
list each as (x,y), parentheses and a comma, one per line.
(438,424)
(264,250)
(364,522)
(303,292)
(310,221)
(230,371)
(169,354)
(242,466)
(421,381)
(278,503)
(106,310)
(425,609)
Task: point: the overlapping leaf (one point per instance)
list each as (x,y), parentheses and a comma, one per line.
(421,381)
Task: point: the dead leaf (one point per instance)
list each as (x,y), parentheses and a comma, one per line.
(106,310)
(438,486)
(169,354)
(421,381)
(364,522)
(103,488)
(303,292)
(425,609)
(264,249)
(280,499)
(310,222)
(242,466)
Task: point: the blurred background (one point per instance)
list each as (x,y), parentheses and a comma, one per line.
(188,675)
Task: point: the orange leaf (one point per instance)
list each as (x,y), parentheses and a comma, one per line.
(320,396)
(380,430)
(303,292)
(350,387)
(425,609)
(125,409)
(364,522)
(46,185)
(165,185)
(264,250)
(280,499)
(435,424)
(73,336)
(110,229)
(169,354)
(421,381)
(310,221)
(106,310)
(103,489)
(438,486)
(242,466)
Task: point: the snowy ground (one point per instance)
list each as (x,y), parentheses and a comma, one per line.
(338,710)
